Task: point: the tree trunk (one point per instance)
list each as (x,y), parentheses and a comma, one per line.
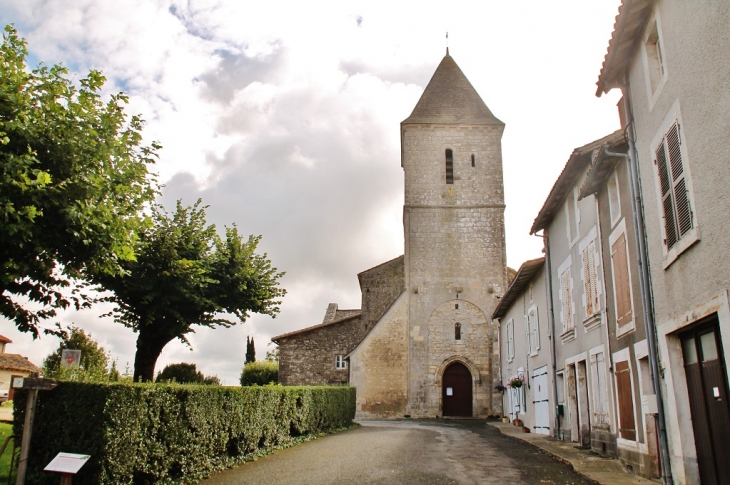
(149,348)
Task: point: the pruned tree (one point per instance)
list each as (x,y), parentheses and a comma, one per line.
(186,275)
(73,179)
(250,350)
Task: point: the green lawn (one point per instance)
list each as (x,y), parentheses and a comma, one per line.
(5,431)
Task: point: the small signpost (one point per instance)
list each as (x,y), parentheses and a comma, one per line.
(33,384)
(68,465)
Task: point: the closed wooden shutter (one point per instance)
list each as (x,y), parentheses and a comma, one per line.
(600,399)
(567,301)
(534,330)
(627,426)
(621,282)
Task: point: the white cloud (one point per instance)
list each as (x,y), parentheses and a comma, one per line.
(284,117)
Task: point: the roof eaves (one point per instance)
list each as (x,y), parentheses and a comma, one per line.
(630,24)
(567,178)
(600,170)
(524,275)
(314,327)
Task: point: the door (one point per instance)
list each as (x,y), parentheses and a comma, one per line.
(456,392)
(11,391)
(541,402)
(704,366)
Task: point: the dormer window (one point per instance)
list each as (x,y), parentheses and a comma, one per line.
(449,166)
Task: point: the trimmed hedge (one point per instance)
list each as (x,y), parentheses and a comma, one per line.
(155,433)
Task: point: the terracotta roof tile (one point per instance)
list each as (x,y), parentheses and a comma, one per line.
(17,362)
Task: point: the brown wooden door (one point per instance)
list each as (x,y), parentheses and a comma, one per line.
(627,424)
(704,367)
(456,391)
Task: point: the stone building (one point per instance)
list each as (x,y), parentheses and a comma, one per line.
(423,343)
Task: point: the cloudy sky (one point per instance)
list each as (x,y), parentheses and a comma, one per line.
(284,117)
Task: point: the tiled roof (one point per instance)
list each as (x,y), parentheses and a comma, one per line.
(524,276)
(316,327)
(450,98)
(628,28)
(17,362)
(4,339)
(579,160)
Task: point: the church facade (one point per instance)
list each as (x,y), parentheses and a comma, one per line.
(423,343)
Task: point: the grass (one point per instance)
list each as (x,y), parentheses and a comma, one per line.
(5,431)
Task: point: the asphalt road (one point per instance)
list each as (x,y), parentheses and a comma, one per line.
(424,452)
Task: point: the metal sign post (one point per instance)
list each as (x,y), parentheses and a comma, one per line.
(33,384)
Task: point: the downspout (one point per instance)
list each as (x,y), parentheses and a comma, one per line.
(551,320)
(644,279)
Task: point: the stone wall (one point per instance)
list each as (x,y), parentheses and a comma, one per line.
(380,287)
(307,358)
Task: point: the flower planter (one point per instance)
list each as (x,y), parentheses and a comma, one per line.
(517,422)
(505,419)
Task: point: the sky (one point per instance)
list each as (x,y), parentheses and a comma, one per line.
(284,118)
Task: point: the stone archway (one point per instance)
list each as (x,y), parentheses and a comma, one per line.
(456,391)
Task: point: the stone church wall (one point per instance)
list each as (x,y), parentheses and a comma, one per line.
(308,358)
(379,366)
(380,287)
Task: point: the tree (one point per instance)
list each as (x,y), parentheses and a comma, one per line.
(260,373)
(184,373)
(186,275)
(250,351)
(73,178)
(273,354)
(94,359)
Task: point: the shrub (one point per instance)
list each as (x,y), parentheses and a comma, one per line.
(260,373)
(158,433)
(184,373)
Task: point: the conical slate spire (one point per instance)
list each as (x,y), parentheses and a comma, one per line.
(450,98)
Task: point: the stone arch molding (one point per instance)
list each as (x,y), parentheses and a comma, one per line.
(451,304)
(475,375)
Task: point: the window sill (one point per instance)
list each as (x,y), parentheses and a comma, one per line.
(681,246)
(592,322)
(568,335)
(626,329)
(535,353)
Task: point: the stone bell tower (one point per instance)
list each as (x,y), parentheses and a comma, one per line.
(455,263)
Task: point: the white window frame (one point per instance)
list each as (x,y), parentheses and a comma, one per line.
(693,235)
(533,331)
(614,207)
(569,332)
(510,330)
(594,319)
(572,200)
(630,326)
(340,362)
(653,92)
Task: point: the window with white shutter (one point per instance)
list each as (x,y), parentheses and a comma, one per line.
(533,330)
(567,300)
(600,396)
(590,279)
(510,339)
(675,197)
(528,335)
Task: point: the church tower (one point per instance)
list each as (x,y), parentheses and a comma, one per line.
(455,263)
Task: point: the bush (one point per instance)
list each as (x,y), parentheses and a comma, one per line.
(260,373)
(184,373)
(153,433)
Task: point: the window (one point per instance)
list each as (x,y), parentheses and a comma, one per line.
(573,217)
(566,298)
(449,166)
(655,70)
(614,204)
(590,279)
(510,339)
(678,217)
(532,331)
(340,362)
(473,161)
(621,283)
(457,331)
(627,424)
(600,396)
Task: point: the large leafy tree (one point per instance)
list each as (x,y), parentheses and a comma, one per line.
(73,178)
(184,275)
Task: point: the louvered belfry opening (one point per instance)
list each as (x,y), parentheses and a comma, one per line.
(449,166)
(675,197)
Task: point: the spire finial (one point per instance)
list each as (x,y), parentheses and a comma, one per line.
(447,43)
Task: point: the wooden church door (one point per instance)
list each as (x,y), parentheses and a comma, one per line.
(456,391)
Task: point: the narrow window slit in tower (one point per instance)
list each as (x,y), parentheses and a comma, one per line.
(456,306)
(473,161)
(457,331)
(449,166)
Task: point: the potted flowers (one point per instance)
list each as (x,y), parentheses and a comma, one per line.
(516,382)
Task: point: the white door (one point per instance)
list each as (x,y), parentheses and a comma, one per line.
(541,402)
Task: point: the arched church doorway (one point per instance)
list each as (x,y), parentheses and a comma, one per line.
(456,392)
